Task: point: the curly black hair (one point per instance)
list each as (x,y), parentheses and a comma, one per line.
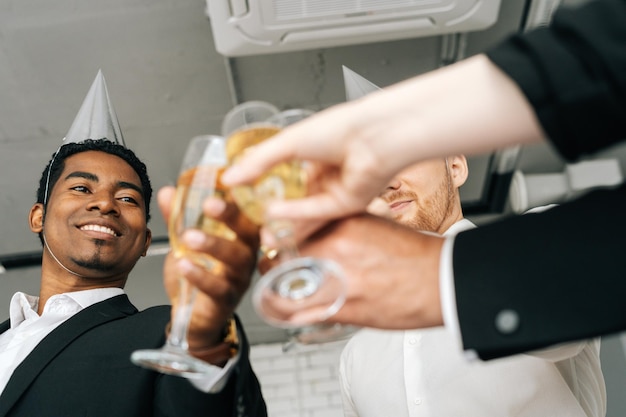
(57,164)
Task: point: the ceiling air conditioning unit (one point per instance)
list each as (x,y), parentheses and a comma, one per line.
(250,27)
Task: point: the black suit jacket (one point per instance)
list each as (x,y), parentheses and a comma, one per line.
(83,368)
(559,275)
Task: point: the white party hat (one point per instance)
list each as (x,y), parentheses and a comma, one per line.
(96,118)
(356,86)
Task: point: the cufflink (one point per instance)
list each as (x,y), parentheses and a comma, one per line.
(507,321)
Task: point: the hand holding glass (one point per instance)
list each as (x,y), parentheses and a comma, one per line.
(199,178)
(297,283)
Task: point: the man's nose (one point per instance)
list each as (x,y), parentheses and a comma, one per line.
(394,184)
(105,202)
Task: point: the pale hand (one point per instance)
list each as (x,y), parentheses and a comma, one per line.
(393,279)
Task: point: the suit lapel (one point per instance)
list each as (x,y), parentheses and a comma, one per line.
(5,326)
(108,310)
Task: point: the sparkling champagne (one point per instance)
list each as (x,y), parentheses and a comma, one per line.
(194,185)
(284,181)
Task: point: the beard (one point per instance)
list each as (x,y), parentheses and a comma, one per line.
(432,211)
(95,262)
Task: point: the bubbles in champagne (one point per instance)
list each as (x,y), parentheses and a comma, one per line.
(194,185)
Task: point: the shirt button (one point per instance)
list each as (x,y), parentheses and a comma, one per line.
(414,340)
(417,401)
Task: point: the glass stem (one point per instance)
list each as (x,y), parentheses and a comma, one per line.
(285,241)
(287,250)
(177,337)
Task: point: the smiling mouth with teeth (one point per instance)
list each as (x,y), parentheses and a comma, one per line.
(101,229)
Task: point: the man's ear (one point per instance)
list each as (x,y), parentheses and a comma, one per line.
(148,242)
(458,170)
(35,218)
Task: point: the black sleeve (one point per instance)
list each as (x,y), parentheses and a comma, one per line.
(560,274)
(241,397)
(574,75)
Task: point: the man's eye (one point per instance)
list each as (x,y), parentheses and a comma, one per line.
(129,200)
(80,189)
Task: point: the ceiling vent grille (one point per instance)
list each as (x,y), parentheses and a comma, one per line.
(243,27)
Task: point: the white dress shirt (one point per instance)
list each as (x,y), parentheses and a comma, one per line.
(425,373)
(28,329)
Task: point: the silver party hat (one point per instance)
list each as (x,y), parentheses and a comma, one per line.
(356,86)
(96,118)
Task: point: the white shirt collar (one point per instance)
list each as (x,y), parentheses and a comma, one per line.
(24,306)
(86,298)
(459,226)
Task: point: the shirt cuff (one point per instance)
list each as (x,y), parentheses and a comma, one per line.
(448,297)
(215,383)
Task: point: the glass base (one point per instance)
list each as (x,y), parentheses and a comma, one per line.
(299,285)
(322,333)
(173,362)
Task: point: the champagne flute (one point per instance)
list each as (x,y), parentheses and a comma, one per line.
(298,283)
(204,160)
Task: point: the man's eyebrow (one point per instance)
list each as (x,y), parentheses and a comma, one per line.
(82,174)
(124,184)
(92,177)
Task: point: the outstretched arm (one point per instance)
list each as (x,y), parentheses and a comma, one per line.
(470,107)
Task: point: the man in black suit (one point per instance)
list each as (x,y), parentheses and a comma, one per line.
(67,351)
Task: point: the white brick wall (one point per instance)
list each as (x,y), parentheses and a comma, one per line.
(302,382)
